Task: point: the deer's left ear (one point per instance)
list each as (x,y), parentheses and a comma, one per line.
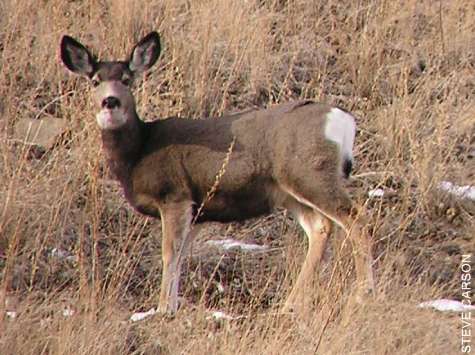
(76,57)
(145,53)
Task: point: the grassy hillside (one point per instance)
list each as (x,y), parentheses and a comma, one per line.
(69,241)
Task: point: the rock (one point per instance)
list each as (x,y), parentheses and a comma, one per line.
(42,133)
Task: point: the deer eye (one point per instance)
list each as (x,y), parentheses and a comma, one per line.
(126,81)
(95,83)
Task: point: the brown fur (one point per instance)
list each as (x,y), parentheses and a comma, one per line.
(171,166)
(280,157)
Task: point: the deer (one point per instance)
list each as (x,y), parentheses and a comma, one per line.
(295,155)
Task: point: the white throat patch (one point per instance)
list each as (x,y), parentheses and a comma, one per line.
(111,118)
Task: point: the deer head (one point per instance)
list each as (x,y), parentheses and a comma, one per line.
(111,80)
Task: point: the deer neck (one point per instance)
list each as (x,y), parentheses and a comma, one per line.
(122,147)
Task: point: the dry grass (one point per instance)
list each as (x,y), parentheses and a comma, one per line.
(404,67)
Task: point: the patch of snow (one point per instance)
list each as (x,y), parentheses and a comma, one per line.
(445,305)
(219,315)
(11,314)
(59,253)
(466,191)
(220,287)
(228,244)
(142,315)
(376,193)
(68,312)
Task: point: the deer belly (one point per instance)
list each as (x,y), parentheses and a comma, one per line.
(236,206)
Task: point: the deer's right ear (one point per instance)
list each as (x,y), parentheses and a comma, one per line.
(76,57)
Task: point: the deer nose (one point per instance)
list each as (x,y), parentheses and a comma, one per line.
(111,102)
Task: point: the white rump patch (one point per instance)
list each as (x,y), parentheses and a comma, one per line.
(340,128)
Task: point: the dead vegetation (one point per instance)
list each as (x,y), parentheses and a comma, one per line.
(69,242)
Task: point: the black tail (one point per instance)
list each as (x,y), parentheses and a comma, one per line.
(347,166)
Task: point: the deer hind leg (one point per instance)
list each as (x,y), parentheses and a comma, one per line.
(334,203)
(176,222)
(317,228)
(353,222)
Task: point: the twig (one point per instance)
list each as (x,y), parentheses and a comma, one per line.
(218,178)
(370,173)
(441,27)
(58,98)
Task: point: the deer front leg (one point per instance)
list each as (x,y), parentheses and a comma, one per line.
(176,222)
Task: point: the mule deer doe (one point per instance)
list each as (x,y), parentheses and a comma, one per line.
(292,155)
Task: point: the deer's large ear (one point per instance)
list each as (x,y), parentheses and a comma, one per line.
(145,53)
(76,57)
